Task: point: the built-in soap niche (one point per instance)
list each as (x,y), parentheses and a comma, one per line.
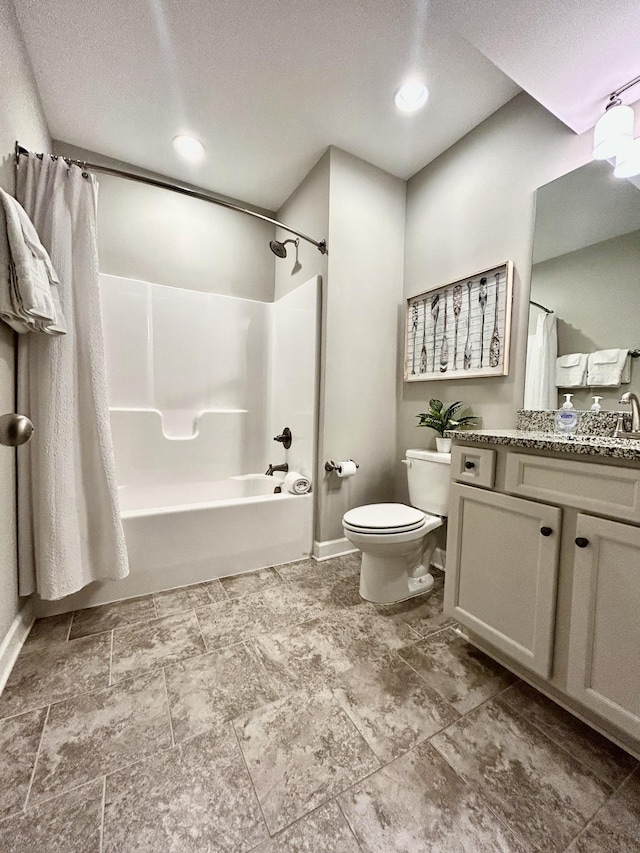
(180,424)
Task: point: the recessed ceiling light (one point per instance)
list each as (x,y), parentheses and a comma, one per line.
(411,96)
(189,147)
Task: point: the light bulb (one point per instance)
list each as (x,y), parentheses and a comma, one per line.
(628,160)
(189,148)
(613,130)
(411,96)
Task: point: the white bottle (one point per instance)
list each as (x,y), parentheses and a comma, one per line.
(596,404)
(567,418)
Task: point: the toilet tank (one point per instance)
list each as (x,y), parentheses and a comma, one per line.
(428,474)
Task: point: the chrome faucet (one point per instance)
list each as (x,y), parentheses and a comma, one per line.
(284,468)
(632,399)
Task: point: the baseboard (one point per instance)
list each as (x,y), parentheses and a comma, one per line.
(439,559)
(14,640)
(332,548)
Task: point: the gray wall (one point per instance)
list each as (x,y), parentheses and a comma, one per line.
(21,118)
(472,208)
(155,235)
(595,293)
(361,210)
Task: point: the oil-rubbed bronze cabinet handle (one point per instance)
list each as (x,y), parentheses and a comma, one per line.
(581,542)
(546,531)
(469,465)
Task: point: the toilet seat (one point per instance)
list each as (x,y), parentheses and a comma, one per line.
(384,519)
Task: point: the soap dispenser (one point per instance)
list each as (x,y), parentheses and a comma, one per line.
(567,418)
(596,404)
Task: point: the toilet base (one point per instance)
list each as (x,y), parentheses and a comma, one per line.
(386,579)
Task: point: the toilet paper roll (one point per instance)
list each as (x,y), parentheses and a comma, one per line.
(297,483)
(347,468)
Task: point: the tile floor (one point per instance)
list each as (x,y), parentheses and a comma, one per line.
(277,712)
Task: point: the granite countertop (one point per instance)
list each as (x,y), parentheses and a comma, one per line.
(591,445)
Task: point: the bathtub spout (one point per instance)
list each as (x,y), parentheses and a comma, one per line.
(284,468)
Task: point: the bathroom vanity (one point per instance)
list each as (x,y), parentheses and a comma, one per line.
(543,566)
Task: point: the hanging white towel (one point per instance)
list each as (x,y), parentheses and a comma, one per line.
(67,492)
(571,370)
(29,297)
(609,368)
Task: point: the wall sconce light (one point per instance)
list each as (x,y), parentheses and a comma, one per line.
(613,135)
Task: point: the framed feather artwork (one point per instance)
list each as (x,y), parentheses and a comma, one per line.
(460,330)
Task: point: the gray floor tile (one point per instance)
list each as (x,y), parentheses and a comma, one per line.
(301,751)
(51,629)
(391,706)
(335,589)
(250,582)
(605,759)
(347,565)
(214,688)
(418,804)
(150,645)
(69,823)
(93,620)
(19,741)
(185,598)
(215,590)
(539,790)
(616,827)
(229,622)
(192,798)
(461,673)
(424,612)
(91,735)
(299,569)
(324,830)
(48,674)
(297,601)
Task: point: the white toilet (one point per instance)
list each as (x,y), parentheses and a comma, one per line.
(397,541)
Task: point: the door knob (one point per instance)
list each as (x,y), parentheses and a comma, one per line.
(581,542)
(15,429)
(546,531)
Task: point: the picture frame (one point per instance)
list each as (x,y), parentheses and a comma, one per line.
(460,330)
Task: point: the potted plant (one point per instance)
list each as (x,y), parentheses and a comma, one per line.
(441,419)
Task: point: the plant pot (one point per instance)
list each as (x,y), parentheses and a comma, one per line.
(443,445)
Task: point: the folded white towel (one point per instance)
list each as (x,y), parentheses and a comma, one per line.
(609,368)
(29,297)
(571,370)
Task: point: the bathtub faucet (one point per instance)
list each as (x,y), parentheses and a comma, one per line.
(284,468)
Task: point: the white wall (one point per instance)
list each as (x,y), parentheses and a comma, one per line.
(155,235)
(21,118)
(472,208)
(595,293)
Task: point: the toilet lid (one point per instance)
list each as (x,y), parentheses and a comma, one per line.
(391,518)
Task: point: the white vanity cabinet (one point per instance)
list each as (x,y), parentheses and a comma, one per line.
(502,565)
(543,573)
(603,670)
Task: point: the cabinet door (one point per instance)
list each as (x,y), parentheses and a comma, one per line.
(604,643)
(502,566)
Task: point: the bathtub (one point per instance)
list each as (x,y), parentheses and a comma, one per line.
(184,533)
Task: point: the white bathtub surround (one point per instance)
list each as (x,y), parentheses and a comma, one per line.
(66,474)
(199,384)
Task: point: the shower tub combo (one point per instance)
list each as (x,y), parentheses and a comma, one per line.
(198,386)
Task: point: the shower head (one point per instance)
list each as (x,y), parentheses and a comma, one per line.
(278,248)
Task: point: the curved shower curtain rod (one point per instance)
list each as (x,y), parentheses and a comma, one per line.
(321,245)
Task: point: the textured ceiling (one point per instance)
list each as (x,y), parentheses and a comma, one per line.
(567,54)
(267,85)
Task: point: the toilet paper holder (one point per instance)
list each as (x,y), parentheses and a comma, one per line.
(331,466)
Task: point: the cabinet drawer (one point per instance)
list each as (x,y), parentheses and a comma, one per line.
(474,466)
(585,485)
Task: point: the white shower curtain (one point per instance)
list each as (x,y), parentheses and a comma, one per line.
(69,528)
(540,390)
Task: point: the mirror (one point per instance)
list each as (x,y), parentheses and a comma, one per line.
(586,270)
